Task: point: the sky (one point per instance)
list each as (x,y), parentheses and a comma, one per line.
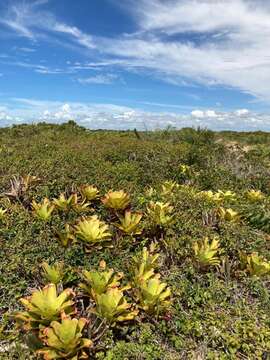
(144,64)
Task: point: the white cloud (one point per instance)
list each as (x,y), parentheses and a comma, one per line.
(211,114)
(100,79)
(204,114)
(199,16)
(198,114)
(242,112)
(84,39)
(110,116)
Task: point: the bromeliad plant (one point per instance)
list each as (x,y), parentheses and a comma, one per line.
(149,194)
(2,213)
(206,253)
(153,295)
(64,340)
(168,188)
(145,264)
(92,231)
(98,282)
(29,180)
(255,264)
(228,215)
(19,186)
(66,237)
(255,195)
(82,207)
(227,195)
(185,170)
(113,307)
(44,306)
(53,273)
(130,223)
(160,213)
(89,192)
(210,195)
(43,210)
(65,203)
(116,200)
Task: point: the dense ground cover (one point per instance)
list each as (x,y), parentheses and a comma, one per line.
(218,309)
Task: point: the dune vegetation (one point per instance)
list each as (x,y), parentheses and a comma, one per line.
(126,245)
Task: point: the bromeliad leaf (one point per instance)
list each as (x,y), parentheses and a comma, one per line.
(227,195)
(66,237)
(228,214)
(2,213)
(210,195)
(168,188)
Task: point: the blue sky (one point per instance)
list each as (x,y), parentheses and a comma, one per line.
(136,63)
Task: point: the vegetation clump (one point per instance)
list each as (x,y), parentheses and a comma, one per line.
(174,263)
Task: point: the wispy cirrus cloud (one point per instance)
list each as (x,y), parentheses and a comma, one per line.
(25,49)
(38,68)
(100,79)
(228,46)
(30,20)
